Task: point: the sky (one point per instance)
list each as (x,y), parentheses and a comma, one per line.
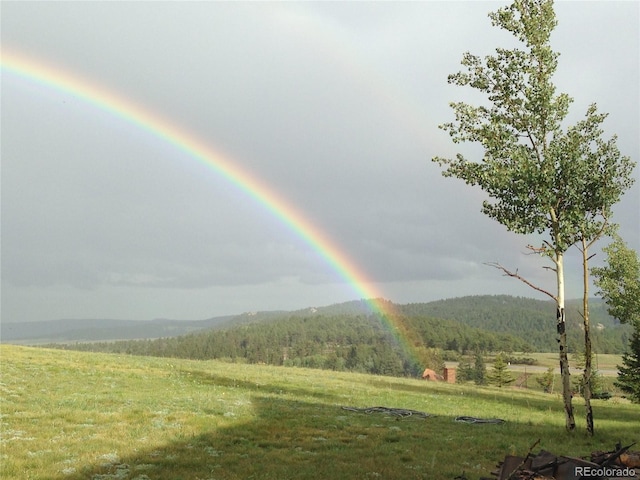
(334,107)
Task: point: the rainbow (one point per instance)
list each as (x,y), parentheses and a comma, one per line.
(154,124)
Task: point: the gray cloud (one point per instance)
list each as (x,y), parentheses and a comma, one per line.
(334,106)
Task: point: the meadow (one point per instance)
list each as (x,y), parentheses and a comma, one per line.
(601,361)
(76,415)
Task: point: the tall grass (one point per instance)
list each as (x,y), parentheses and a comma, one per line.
(73,415)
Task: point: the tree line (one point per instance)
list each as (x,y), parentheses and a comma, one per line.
(358,343)
(528,319)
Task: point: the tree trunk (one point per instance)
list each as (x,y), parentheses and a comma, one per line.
(586,379)
(570,422)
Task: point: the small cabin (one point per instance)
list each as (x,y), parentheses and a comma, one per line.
(449,375)
(431,375)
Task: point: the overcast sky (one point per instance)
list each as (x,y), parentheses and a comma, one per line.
(334,106)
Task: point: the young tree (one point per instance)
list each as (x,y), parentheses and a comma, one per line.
(619,284)
(480,370)
(500,375)
(546,381)
(587,152)
(465,371)
(534,173)
(595,381)
(629,372)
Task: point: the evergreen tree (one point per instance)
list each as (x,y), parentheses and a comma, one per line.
(466,372)
(480,370)
(595,378)
(500,375)
(629,372)
(546,381)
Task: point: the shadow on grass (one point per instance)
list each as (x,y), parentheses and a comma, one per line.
(547,403)
(288,439)
(206,378)
(294,439)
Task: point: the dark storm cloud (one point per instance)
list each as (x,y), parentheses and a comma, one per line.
(333,105)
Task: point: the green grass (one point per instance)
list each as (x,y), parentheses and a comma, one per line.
(603,361)
(73,415)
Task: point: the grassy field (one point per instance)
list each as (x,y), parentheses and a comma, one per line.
(601,361)
(72,415)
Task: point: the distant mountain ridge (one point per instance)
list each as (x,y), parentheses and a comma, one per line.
(528,319)
(79,330)
(90,330)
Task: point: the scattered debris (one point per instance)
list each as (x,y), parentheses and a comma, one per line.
(620,455)
(616,464)
(397,412)
(404,412)
(465,419)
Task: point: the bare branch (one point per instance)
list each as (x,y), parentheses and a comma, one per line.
(513,474)
(536,250)
(516,275)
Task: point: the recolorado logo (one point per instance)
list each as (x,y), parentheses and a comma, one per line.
(605,472)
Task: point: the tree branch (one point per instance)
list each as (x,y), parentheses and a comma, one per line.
(599,233)
(542,251)
(539,251)
(516,275)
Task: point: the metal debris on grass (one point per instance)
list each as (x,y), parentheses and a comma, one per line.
(615,464)
(465,419)
(396,412)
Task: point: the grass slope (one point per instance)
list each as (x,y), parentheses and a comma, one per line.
(73,415)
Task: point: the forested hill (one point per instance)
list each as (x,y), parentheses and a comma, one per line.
(529,323)
(362,342)
(352,336)
(528,319)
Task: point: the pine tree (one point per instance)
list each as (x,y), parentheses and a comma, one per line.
(546,381)
(596,387)
(465,371)
(480,370)
(500,375)
(629,372)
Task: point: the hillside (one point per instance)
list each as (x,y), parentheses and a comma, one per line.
(78,416)
(528,323)
(87,330)
(328,338)
(361,343)
(528,319)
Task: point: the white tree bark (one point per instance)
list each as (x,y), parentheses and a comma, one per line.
(570,422)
